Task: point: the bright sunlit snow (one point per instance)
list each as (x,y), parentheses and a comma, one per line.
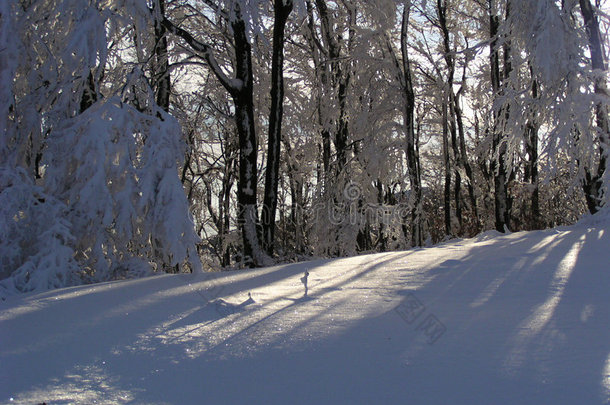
(516,319)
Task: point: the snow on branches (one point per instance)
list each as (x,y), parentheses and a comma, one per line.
(89,190)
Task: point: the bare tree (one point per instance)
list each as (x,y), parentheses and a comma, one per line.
(241,90)
(410,138)
(161,69)
(282,10)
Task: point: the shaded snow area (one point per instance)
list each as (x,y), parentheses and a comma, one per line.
(517,319)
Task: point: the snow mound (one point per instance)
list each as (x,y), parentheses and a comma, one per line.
(600,219)
(487,235)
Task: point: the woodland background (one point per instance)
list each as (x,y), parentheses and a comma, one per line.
(189,135)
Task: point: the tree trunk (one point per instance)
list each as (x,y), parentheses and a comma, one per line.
(224,200)
(241,90)
(410,141)
(316,51)
(592,184)
(340,79)
(502,214)
(457,186)
(447,166)
(441,10)
(531,169)
(248,145)
(282,10)
(298,202)
(161,71)
(465,163)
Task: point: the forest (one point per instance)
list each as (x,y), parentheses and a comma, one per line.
(149,136)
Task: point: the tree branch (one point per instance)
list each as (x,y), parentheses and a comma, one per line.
(205,51)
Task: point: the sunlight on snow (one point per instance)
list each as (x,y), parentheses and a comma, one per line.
(545,311)
(535,323)
(84,385)
(46,299)
(491,289)
(550,242)
(281,316)
(16,312)
(179,324)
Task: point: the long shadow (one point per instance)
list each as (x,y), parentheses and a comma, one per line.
(483,356)
(489,353)
(578,332)
(116,329)
(424,382)
(516,320)
(316,293)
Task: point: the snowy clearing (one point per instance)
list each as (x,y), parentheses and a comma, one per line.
(521,318)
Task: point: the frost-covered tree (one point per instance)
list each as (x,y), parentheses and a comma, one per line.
(411,144)
(244,22)
(100,157)
(564,62)
(452,117)
(595,183)
(36,241)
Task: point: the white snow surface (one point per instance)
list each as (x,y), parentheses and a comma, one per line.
(522,318)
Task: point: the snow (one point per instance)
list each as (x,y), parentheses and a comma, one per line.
(503,319)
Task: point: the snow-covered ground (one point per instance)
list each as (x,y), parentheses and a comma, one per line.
(516,319)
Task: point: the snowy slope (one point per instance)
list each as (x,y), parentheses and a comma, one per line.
(516,319)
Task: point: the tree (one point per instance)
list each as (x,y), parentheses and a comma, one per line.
(498,82)
(566,85)
(161,68)
(456,125)
(241,90)
(410,139)
(593,180)
(282,10)
(114,205)
(499,119)
(531,176)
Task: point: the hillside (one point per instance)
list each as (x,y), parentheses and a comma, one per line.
(503,319)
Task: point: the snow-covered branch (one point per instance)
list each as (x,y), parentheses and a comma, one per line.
(205,51)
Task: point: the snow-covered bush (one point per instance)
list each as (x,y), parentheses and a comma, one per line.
(35,238)
(89,183)
(121,185)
